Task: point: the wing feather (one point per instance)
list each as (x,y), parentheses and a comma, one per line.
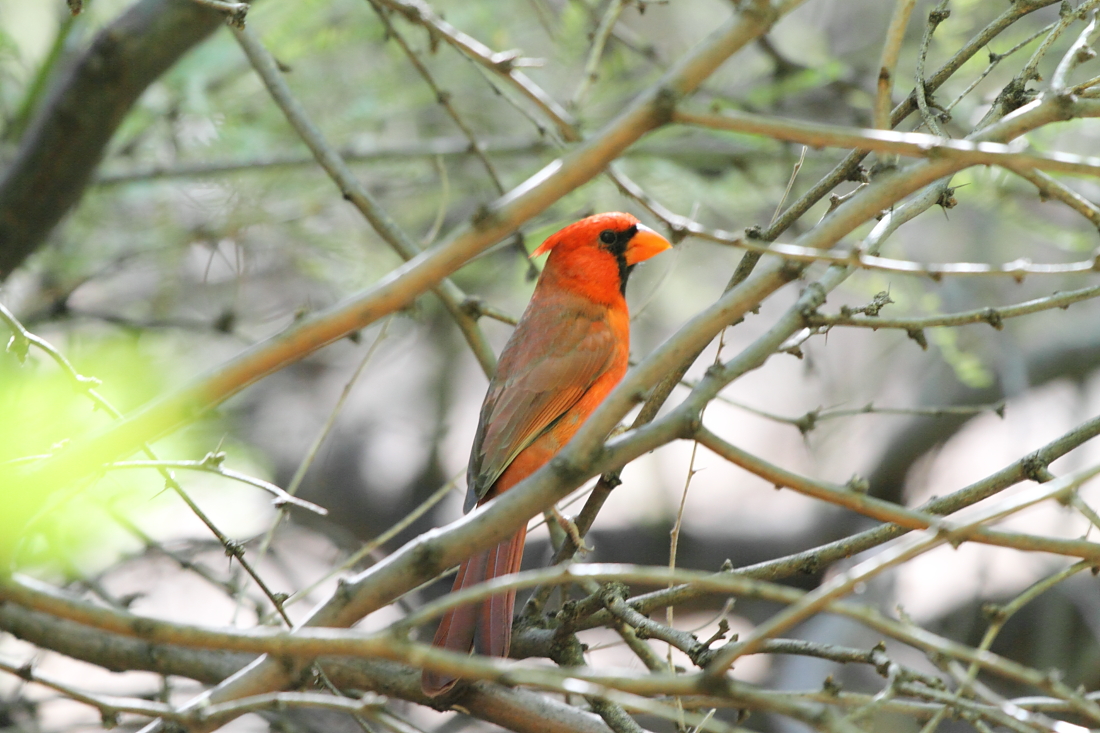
(552,359)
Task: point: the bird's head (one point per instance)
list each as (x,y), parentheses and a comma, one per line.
(602,249)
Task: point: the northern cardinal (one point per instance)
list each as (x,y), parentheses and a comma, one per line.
(568,351)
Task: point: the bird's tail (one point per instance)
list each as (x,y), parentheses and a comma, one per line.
(484,627)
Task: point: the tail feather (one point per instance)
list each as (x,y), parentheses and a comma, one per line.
(486,626)
(495,628)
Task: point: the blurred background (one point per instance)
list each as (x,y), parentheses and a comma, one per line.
(207,227)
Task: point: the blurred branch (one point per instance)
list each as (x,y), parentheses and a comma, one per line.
(685,153)
(517,710)
(345,643)
(992,315)
(357,194)
(999,615)
(1030,467)
(474,146)
(235,12)
(901,551)
(599,41)
(938,14)
(359,555)
(810,420)
(848,169)
(67,136)
(891,49)
(504,64)
(443,98)
(212,463)
(21,339)
(1050,188)
(850,496)
(319,439)
(230,586)
(859,258)
(913,144)
(32,96)
(1080,52)
(429,148)
(1066,18)
(109,706)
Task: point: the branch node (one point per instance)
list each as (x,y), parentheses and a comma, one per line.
(858,484)
(936,17)
(917,334)
(994,613)
(664,104)
(1036,469)
(993,318)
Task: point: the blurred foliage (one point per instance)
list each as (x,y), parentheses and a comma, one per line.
(68,528)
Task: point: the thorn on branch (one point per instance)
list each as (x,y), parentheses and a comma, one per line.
(857,484)
(213,460)
(234,549)
(917,334)
(807,422)
(505,61)
(19,345)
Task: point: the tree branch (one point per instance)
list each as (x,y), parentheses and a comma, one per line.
(68,136)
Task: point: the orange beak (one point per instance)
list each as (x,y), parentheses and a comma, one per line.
(645,244)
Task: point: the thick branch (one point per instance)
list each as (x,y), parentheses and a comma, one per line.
(516,710)
(69,134)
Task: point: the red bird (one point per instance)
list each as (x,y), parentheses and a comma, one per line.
(568,351)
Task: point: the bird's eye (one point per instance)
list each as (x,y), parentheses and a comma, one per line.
(608,237)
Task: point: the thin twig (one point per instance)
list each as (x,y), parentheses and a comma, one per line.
(891,49)
(355,192)
(599,42)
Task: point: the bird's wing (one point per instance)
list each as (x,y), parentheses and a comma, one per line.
(547,366)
